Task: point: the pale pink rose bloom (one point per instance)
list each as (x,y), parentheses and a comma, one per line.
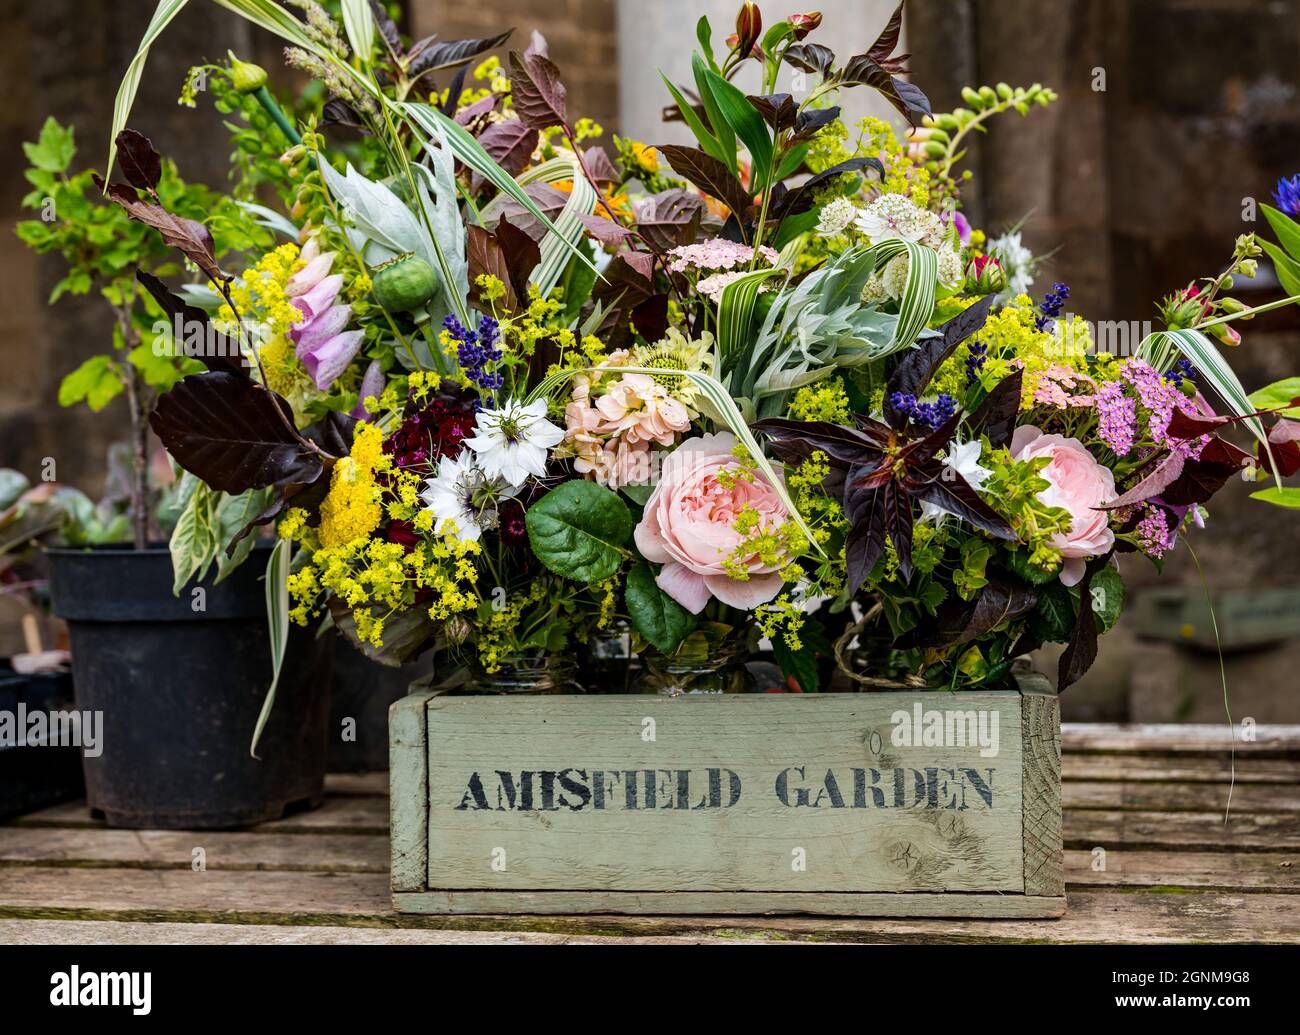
(1079,485)
(688,527)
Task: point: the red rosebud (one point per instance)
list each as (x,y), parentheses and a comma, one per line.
(805,23)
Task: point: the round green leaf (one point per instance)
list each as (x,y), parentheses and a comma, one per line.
(656,615)
(578,530)
(1106,591)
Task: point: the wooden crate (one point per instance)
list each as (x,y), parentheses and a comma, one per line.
(723,804)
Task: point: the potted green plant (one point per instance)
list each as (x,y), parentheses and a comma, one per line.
(179,674)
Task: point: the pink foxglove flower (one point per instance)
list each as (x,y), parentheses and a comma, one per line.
(323,345)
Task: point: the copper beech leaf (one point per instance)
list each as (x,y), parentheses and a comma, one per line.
(226,430)
(189,236)
(707,173)
(536,91)
(510,142)
(220,352)
(141,164)
(430,55)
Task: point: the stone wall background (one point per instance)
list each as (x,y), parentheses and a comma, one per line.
(1139,186)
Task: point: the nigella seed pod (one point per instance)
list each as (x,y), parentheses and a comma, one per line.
(404,283)
(247,77)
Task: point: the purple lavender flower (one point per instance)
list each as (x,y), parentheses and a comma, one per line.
(474,351)
(1287,195)
(979,352)
(1051,305)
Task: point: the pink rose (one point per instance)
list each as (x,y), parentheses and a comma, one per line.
(1079,485)
(689,526)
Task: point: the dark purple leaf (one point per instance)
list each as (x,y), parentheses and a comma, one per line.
(670,218)
(602,170)
(863,70)
(950,491)
(510,142)
(1081,651)
(187,235)
(959,622)
(1201,478)
(141,164)
(454,91)
(865,543)
(606,231)
(917,367)
(226,430)
(811,121)
(550,200)
(797,439)
(433,56)
(778,110)
(537,45)
(810,57)
(219,351)
(801,198)
(650,318)
(707,173)
(882,50)
(340,113)
(333,433)
(536,91)
(996,415)
(388,31)
(1284,443)
(898,521)
(472,112)
(1165,474)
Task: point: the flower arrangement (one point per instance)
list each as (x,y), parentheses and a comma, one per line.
(506,387)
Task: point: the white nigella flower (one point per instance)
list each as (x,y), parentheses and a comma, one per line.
(1017,262)
(894,215)
(963,458)
(835,216)
(512,441)
(461,496)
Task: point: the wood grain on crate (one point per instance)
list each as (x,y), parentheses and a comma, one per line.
(1152,799)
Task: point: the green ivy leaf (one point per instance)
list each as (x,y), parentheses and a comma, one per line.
(656,615)
(579,529)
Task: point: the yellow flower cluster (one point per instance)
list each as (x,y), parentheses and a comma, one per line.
(497,631)
(260,295)
(781,617)
(825,401)
(352,508)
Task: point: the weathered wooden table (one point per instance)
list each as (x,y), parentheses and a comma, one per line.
(1149,858)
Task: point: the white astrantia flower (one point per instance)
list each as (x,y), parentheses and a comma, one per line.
(513,440)
(835,216)
(964,459)
(894,215)
(461,497)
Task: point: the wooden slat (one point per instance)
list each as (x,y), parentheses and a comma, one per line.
(360,814)
(363,899)
(1041,794)
(1086,828)
(111,932)
(408,764)
(172,849)
(1188,737)
(1152,795)
(1180,768)
(1224,871)
(356,783)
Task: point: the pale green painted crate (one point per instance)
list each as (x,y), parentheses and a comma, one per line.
(723,804)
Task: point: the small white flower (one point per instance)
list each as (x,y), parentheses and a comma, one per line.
(836,214)
(512,441)
(894,215)
(1018,262)
(454,497)
(962,458)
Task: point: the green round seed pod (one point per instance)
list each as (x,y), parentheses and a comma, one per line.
(246,77)
(404,283)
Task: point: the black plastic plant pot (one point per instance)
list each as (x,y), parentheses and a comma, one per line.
(35,773)
(363,691)
(179,682)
